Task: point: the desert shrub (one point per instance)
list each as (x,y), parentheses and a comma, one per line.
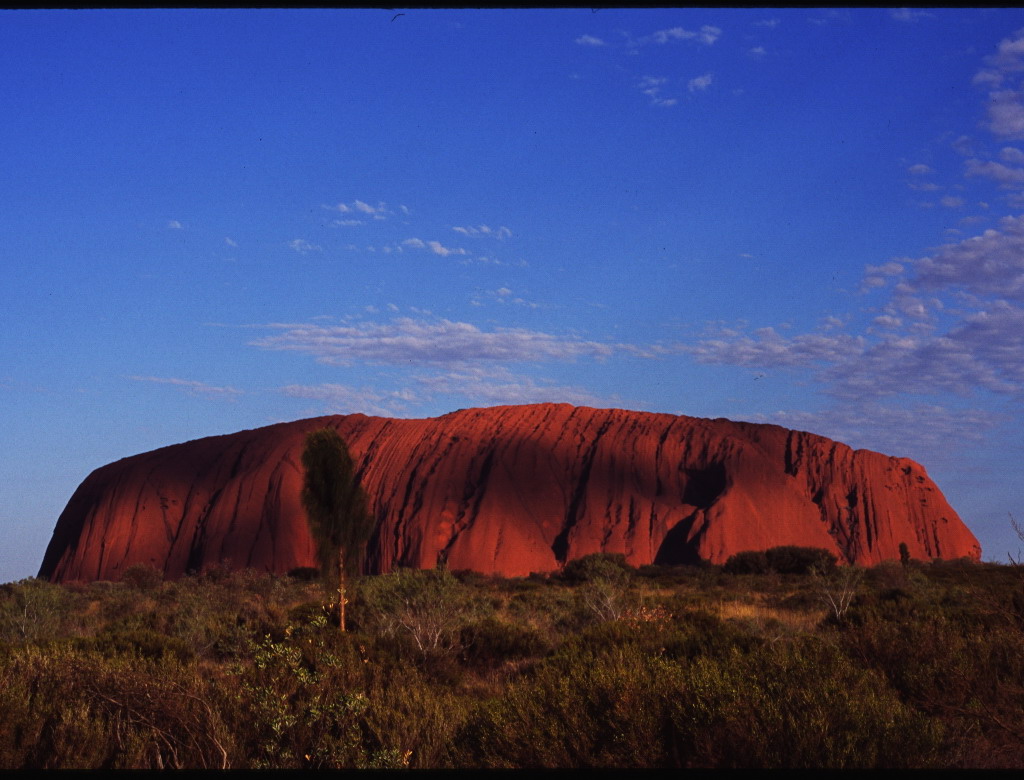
(700,633)
(792,706)
(137,641)
(490,642)
(142,577)
(430,606)
(971,679)
(409,714)
(602,585)
(33,610)
(799,560)
(597,566)
(787,559)
(702,574)
(747,562)
(69,708)
(601,713)
(287,718)
(622,705)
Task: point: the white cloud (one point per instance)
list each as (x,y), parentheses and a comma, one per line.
(174,225)
(342,399)
(952,202)
(767,349)
(1011,154)
(589,40)
(434,246)
(920,432)
(1006,113)
(230,243)
(909,14)
(192,387)
(673,34)
(1006,103)
(707,35)
(699,83)
(302,246)
(918,345)
(1006,177)
(405,341)
(500,233)
(380,211)
(989,264)
(920,170)
(440,249)
(963,145)
(499,386)
(651,86)
(347,222)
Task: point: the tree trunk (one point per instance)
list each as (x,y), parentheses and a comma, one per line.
(341,589)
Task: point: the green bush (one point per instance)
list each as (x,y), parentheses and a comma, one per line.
(787,559)
(800,560)
(597,566)
(747,562)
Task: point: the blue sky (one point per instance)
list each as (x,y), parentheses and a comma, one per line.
(220,219)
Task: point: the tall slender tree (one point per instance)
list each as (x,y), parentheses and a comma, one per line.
(336,509)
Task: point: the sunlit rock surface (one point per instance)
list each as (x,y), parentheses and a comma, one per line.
(510,490)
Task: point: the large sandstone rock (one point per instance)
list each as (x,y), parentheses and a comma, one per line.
(513,490)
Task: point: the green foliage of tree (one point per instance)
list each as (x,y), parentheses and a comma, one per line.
(336,509)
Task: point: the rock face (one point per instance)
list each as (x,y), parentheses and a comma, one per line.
(511,490)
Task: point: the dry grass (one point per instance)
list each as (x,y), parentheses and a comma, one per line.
(766,618)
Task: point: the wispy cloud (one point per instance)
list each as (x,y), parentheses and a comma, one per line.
(907,350)
(379,211)
(589,40)
(700,83)
(502,296)
(491,386)
(988,264)
(302,246)
(651,86)
(192,387)
(342,399)
(767,349)
(434,246)
(1001,76)
(173,224)
(407,341)
(909,14)
(500,233)
(707,35)
(918,431)
(1005,176)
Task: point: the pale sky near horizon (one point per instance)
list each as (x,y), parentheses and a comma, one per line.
(219,219)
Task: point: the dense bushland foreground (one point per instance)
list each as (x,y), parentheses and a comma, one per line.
(913,665)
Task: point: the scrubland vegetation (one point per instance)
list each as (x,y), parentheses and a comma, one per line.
(764,662)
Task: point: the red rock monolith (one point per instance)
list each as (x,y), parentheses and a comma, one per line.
(509,490)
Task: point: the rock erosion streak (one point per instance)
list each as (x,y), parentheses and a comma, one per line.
(509,490)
